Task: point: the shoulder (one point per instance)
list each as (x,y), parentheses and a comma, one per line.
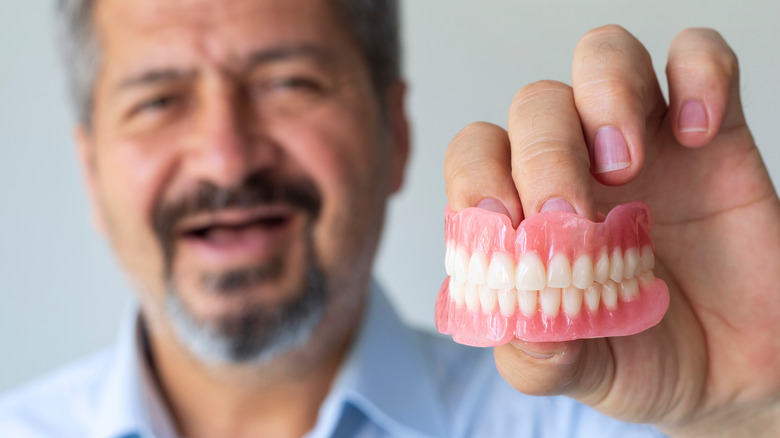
(479,402)
(57,404)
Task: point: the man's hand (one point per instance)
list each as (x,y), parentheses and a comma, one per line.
(712,366)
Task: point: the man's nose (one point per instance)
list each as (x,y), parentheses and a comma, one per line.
(224,150)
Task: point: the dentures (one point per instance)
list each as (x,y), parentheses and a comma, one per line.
(557,277)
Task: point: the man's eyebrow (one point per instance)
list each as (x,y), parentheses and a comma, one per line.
(154,76)
(265,56)
(255,59)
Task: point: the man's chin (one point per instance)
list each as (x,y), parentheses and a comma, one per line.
(239,325)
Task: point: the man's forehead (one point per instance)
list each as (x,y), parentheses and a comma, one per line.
(203,13)
(140,35)
(235,22)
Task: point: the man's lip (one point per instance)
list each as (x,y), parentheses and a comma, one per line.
(233,218)
(232,238)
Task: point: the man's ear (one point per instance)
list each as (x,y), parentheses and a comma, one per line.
(86,156)
(399,130)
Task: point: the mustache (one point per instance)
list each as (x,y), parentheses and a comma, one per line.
(258,189)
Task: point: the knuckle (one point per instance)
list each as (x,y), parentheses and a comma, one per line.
(707,51)
(474,155)
(605,37)
(469,178)
(471,131)
(548,158)
(610,55)
(538,89)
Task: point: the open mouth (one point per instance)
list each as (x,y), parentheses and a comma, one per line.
(237,232)
(213,231)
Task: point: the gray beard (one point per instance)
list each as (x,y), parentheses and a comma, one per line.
(258,334)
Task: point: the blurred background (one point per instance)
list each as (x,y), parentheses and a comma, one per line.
(61,292)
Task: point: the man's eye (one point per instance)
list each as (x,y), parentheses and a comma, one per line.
(295,83)
(157,103)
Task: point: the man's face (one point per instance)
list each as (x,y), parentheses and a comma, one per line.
(238,158)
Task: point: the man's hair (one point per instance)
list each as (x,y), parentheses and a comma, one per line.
(372,23)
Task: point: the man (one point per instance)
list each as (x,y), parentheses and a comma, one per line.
(239,155)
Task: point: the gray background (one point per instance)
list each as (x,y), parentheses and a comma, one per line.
(61,294)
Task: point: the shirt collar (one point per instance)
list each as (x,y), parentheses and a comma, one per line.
(130,403)
(386,376)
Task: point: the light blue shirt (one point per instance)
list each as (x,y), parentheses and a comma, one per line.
(396,382)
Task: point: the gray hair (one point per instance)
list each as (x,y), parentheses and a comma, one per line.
(373,24)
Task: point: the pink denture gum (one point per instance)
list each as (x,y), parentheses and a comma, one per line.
(557,277)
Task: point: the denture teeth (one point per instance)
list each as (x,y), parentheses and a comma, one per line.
(550,300)
(559,272)
(471,293)
(646,277)
(648,259)
(448,258)
(572,300)
(601,270)
(593,297)
(629,289)
(477,268)
(460,265)
(609,295)
(456,291)
(527,301)
(530,272)
(507,301)
(487,299)
(616,266)
(501,273)
(582,272)
(631,262)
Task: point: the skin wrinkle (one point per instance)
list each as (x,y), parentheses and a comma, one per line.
(770,196)
(537,90)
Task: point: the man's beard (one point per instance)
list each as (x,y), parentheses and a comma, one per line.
(257,333)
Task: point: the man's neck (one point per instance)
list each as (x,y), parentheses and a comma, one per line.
(279,399)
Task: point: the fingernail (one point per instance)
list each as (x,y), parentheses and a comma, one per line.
(693,117)
(535,354)
(610,151)
(557,204)
(493,205)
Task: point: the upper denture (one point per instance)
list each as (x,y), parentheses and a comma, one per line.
(553,274)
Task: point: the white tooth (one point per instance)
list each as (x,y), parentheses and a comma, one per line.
(629,289)
(648,259)
(472,296)
(609,294)
(527,301)
(448,258)
(572,300)
(646,277)
(501,274)
(631,262)
(616,266)
(582,272)
(507,301)
(530,272)
(601,270)
(456,291)
(559,272)
(487,299)
(460,265)
(550,300)
(592,297)
(478,268)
